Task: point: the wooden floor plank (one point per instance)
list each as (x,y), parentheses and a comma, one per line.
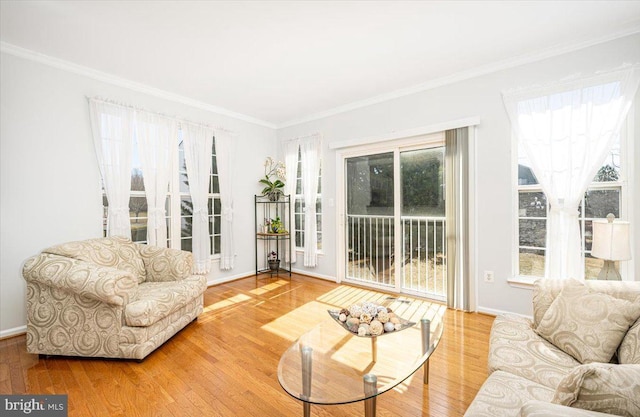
(225,363)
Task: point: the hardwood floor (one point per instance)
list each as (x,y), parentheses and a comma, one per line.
(225,364)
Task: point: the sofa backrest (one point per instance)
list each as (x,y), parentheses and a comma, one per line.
(115,251)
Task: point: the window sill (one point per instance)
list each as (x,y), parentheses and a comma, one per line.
(525,282)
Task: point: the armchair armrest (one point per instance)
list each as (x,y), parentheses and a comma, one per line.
(164,264)
(105,284)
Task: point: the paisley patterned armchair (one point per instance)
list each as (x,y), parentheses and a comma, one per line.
(109,297)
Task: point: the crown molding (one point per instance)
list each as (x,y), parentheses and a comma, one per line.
(122,82)
(429,85)
(465,75)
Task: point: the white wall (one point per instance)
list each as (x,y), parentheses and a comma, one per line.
(49,179)
(477,97)
(50,189)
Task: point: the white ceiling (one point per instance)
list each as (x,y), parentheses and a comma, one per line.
(282,62)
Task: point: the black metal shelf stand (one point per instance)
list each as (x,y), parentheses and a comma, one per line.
(267,241)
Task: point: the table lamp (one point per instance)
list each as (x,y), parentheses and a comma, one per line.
(611,243)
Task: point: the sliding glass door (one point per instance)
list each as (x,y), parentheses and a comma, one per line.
(395,220)
(370,218)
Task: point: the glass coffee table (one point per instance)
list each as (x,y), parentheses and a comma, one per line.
(330,365)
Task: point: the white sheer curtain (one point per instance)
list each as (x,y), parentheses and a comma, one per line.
(156,136)
(112,127)
(310,155)
(225,157)
(567,129)
(291,163)
(198,142)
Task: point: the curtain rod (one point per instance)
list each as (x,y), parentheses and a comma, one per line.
(178,120)
(303,137)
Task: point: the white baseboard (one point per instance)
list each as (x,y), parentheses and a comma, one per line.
(314,275)
(222,280)
(494,312)
(13,332)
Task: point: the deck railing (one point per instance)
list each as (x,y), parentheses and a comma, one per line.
(370,244)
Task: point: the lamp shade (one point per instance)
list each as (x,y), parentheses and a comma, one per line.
(611,240)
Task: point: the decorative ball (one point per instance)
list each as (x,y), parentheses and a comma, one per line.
(382,308)
(342,317)
(355,310)
(364,329)
(344,311)
(398,326)
(376,328)
(389,327)
(370,309)
(353,324)
(383,316)
(365,318)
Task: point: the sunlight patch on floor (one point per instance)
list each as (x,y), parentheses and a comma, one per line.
(297,322)
(269,287)
(239,298)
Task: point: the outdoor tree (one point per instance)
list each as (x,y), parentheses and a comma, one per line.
(137,204)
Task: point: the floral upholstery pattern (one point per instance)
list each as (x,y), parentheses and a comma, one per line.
(602,387)
(77,306)
(526,371)
(586,324)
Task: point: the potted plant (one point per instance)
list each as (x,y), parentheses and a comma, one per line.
(274,173)
(276,226)
(274,262)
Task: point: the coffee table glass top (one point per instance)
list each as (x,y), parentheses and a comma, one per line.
(338,360)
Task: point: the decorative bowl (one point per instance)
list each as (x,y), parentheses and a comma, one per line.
(404,324)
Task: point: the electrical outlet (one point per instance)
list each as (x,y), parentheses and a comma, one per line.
(488,276)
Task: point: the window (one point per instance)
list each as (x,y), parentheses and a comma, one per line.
(179,232)
(604,195)
(299,207)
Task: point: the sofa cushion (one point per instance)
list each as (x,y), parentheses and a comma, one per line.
(516,348)
(157,300)
(604,387)
(503,394)
(545,292)
(629,350)
(114,252)
(587,325)
(164,264)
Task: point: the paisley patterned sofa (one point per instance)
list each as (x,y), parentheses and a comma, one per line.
(109,298)
(579,356)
